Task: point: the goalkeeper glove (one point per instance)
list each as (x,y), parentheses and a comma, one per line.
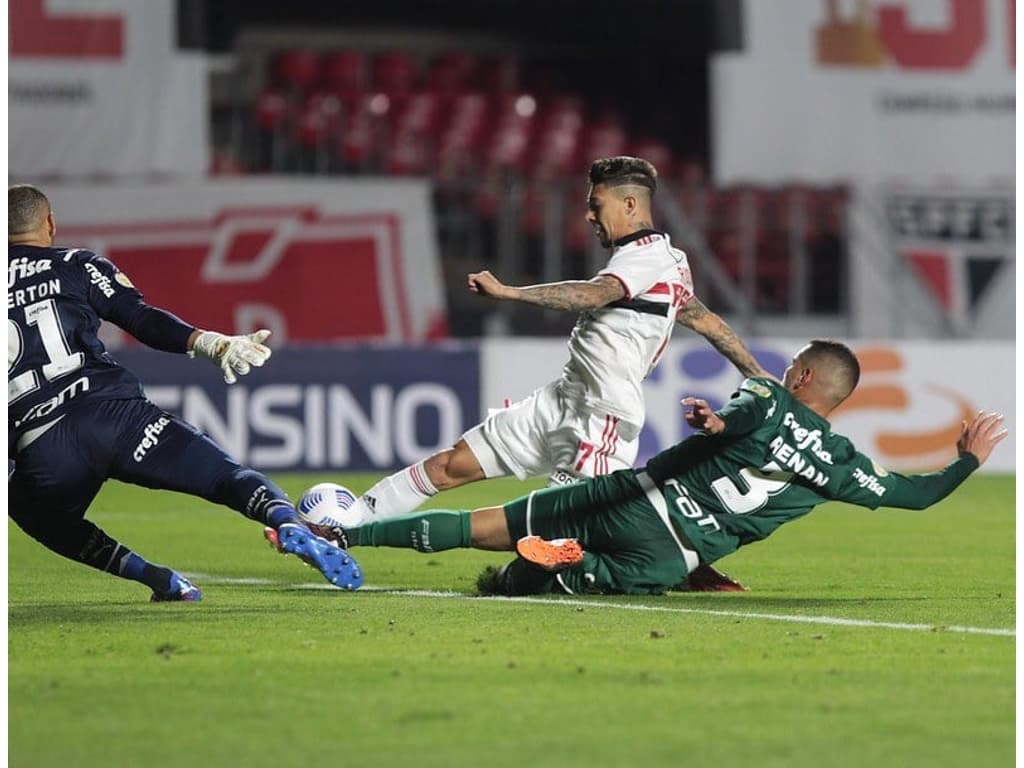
(234,354)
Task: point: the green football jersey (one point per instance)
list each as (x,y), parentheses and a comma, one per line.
(774,462)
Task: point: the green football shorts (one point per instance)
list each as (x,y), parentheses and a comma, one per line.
(627,547)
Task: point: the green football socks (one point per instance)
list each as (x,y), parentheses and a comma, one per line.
(433,531)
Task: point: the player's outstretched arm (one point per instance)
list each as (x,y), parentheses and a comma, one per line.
(233,354)
(870,488)
(697,317)
(568,295)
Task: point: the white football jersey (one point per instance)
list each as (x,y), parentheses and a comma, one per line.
(614,348)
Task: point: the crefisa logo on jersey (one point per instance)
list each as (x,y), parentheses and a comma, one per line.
(150,438)
(22,268)
(100,280)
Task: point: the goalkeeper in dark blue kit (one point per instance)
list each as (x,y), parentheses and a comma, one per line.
(76,418)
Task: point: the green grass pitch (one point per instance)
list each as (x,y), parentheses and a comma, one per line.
(270,670)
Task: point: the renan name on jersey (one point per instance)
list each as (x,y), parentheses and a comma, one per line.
(790,458)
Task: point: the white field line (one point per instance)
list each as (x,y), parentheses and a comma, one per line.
(835,621)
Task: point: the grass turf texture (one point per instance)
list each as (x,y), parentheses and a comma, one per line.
(277,673)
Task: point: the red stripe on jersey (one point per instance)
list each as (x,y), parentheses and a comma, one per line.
(609,441)
(659,288)
(657,355)
(600,467)
(615,439)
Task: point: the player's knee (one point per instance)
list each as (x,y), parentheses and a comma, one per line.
(453,467)
(489,529)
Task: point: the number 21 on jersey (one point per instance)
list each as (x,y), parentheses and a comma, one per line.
(42,316)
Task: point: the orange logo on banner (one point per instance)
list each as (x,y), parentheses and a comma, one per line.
(849,41)
(903,445)
(870,38)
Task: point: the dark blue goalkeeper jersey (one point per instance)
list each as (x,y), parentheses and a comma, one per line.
(56,298)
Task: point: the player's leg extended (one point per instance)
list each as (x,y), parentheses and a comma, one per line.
(436,531)
(404,491)
(56,479)
(161,451)
(511,441)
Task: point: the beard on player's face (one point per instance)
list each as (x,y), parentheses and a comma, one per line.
(609,220)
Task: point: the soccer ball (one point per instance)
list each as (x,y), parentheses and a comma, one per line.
(328,505)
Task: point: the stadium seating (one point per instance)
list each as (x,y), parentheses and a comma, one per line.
(345,71)
(465,120)
(296,71)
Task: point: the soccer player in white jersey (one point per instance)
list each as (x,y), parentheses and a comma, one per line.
(588,422)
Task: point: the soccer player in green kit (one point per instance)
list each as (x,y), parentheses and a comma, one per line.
(767,457)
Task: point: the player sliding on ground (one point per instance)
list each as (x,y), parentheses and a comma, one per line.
(767,457)
(588,422)
(75,417)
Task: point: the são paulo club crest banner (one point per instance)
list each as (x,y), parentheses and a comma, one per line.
(905,414)
(312,260)
(845,91)
(97,88)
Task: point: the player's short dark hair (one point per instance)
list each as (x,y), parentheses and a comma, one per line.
(842,365)
(624,171)
(27,206)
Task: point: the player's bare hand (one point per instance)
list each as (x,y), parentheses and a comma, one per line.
(981,435)
(700,416)
(487,284)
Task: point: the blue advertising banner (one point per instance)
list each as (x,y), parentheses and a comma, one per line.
(323,408)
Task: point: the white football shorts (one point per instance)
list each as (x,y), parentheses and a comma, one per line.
(549,434)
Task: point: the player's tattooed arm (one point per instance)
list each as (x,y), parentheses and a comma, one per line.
(569,295)
(697,317)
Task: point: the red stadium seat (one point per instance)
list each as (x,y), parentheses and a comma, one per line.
(297,71)
(604,138)
(452,71)
(319,119)
(460,139)
(363,130)
(499,73)
(345,71)
(513,133)
(656,152)
(271,109)
(414,136)
(395,71)
(555,153)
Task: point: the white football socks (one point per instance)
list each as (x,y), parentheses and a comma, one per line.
(397,494)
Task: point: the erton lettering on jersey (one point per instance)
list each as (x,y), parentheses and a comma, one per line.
(150,437)
(23,267)
(864,480)
(32,293)
(45,408)
(806,438)
(100,280)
